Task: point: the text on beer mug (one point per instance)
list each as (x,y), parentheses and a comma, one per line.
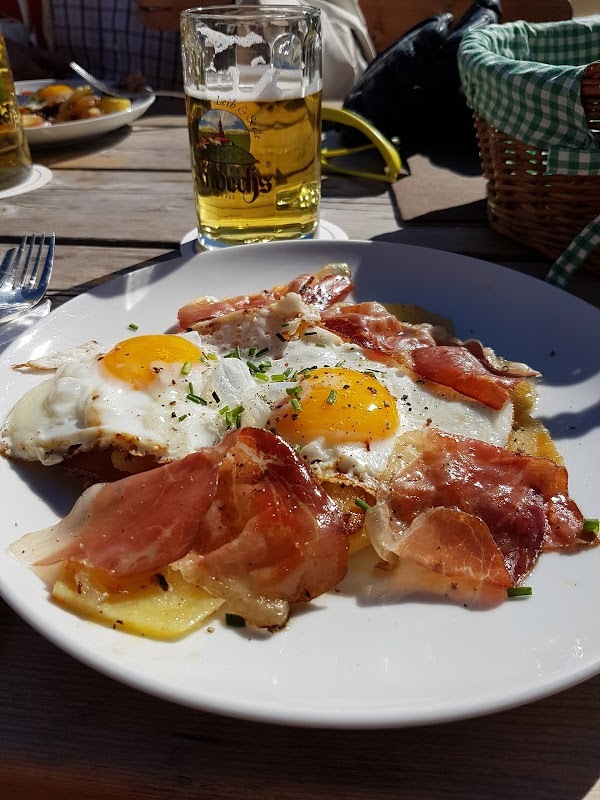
(252,78)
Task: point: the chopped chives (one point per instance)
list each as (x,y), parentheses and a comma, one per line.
(296,405)
(252,351)
(224,410)
(293,390)
(133,326)
(237,411)
(297,448)
(195,399)
(228,419)
(331,397)
(591,525)
(262,377)
(264,365)
(287,372)
(519,591)
(216,397)
(182,417)
(310,333)
(361,503)
(252,367)
(280,336)
(191,388)
(234,353)
(278,378)
(187,368)
(319,344)
(340,364)
(212,356)
(262,352)
(235,621)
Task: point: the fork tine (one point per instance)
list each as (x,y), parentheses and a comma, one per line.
(33,292)
(11,262)
(36,264)
(23,264)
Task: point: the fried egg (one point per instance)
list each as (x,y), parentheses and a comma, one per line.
(168,395)
(133,398)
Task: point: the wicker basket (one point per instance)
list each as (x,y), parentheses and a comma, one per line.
(544,212)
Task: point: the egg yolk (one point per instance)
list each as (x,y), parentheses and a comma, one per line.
(339,404)
(136,360)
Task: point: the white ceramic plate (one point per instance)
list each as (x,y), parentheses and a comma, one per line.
(62,133)
(345,662)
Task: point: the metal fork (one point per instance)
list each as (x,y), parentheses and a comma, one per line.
(114,91)
(25,274)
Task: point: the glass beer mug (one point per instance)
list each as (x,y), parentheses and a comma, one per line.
(252,77)
(15,160)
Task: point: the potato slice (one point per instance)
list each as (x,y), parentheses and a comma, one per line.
(159,605)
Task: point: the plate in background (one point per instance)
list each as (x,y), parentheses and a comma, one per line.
(61,133)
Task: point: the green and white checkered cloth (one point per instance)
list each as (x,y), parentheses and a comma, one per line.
(525,80)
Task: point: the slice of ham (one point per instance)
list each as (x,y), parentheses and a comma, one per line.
(137,524)
(272,536)
(460,370)
(321,289)
(452,501)
(465,367)
(371,326)
(245,519)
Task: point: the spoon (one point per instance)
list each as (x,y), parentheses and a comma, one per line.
(113,91)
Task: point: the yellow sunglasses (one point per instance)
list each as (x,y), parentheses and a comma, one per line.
(393,168)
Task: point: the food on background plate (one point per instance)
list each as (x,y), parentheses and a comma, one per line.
(57,102)
(245,458)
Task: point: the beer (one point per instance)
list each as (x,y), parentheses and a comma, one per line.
(15,160)
(256,166)
(252,78)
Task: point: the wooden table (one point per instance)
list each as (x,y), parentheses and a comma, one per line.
(68,732)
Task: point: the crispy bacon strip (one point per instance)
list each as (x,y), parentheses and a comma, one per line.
(453,496)
(463,367)
(322,289)
(246,516)
(272,536)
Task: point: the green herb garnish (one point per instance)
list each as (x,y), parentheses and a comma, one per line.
(519,591)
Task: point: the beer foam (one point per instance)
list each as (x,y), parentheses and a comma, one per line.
(222,41)
(254,84)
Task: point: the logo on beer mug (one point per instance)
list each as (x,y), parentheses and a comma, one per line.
(225,164)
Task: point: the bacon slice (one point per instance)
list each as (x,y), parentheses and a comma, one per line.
(133,525)
(459,369)
(467,368)
(272,536)
(321,289)
(370,325)
(452,497)
(246,516)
